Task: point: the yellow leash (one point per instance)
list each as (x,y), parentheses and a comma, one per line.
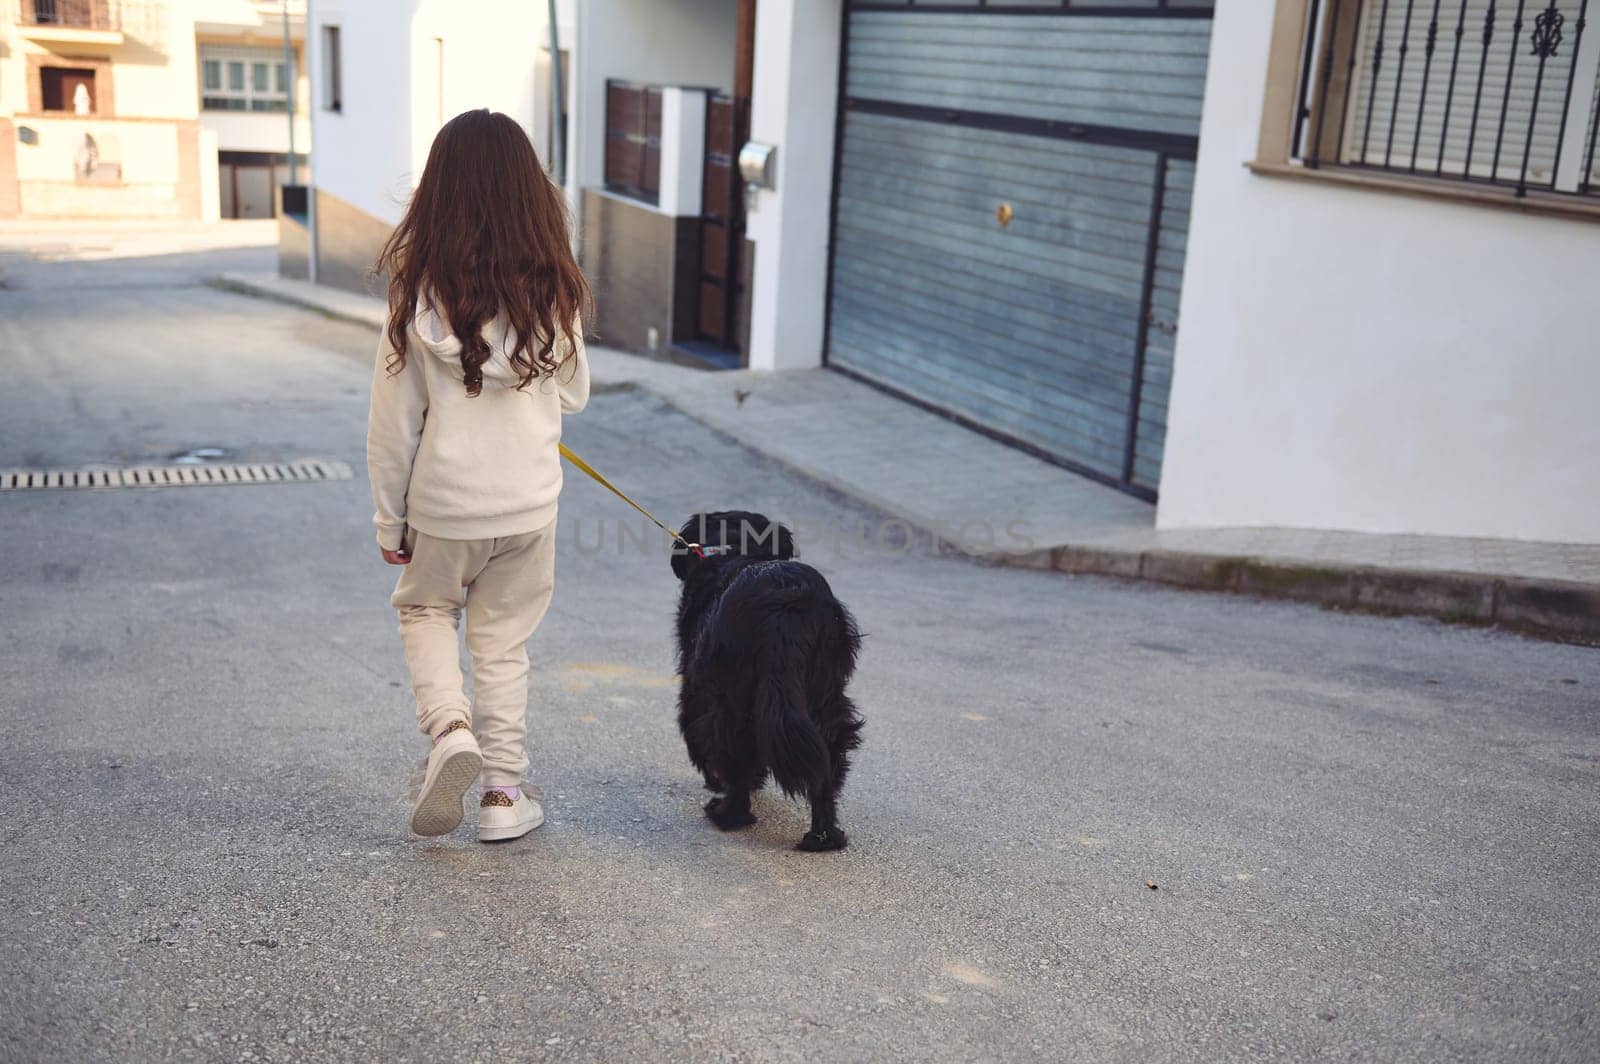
(570,455)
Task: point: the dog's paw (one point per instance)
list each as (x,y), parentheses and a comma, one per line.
(822,841)
(726,817)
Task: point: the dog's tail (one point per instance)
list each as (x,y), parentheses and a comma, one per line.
(788,738)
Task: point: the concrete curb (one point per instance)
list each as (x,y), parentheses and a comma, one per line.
(336,305)
(1545,609)
(1552,610)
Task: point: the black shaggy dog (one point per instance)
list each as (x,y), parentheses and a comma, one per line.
(765,652)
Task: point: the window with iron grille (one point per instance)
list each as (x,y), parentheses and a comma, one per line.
(80,14)
(243,79)
(1496,93)
(633,140)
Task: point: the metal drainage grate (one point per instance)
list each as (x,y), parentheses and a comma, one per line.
(173,476)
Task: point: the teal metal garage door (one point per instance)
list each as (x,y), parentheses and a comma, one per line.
(1011,204)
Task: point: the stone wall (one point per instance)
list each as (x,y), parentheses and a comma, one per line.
(642,265)
(348,242)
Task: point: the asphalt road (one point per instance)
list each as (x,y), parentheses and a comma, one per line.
(1371,839)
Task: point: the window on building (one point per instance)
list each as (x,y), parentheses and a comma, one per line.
(332,63)
(1481,94)
(243,79)
(70,89)
(633,140)
(81,14)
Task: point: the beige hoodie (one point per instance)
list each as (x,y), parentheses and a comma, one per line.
(466,468)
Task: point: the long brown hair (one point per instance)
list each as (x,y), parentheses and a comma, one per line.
(486,233)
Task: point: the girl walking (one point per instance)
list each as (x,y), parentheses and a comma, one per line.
(482,356)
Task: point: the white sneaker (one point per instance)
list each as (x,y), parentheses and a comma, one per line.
(451,767)
(501,818)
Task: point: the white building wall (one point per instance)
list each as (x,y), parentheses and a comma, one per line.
(255,27)
(156,71)
(257,131)
(13,70)
(397,92)
(793,108)
(489,58)
(1353,359)
(683,152)
(363,152)
(146,151)
(210,178)
(693,42)
(663,42)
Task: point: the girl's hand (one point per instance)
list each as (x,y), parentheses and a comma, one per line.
(396,557)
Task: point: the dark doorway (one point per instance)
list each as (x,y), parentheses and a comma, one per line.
(58,88)
(720,320)
(722,222)
(248,182)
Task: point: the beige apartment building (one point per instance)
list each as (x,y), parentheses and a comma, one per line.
(149,108)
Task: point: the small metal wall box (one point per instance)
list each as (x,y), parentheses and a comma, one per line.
(757,163)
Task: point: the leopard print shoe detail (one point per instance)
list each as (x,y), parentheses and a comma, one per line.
(453,726)
(502,818)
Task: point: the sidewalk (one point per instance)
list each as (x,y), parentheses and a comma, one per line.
(1009,508)
(94,238)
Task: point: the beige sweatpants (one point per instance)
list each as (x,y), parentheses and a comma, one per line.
(505,587)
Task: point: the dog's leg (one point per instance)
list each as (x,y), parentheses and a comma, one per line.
(692,713)
(825,833)
(732,810)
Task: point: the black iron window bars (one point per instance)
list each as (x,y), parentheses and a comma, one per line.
(80,14)
(1501,93)
(633,140)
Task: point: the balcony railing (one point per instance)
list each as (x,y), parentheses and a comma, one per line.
(71,14)
(1498,93)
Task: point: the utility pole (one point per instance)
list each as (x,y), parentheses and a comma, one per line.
(293,88)
(558,138)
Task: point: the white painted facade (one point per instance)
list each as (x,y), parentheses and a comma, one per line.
(365,153)
(155,65)
(407,66)
(144,110)
(692,43)
(254,28)
(1346,359)
(395,97)
(684,43)
(683,139)
(1361,360)
(243,131)
(793,107)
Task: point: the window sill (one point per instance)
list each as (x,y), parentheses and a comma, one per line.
(633,196)
(1546,203)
